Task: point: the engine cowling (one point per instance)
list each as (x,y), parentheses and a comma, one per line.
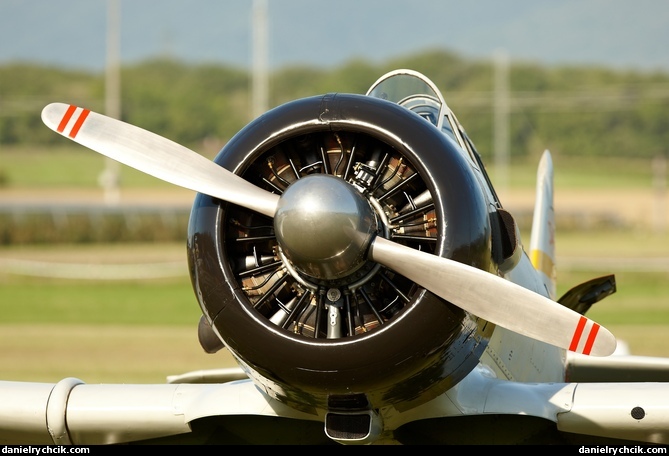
(361,337)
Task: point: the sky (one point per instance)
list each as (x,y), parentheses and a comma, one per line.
(73,33)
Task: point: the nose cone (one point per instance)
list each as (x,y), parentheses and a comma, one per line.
(324,226)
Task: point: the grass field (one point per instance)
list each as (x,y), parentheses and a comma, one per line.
(144,330)
(99,330)
(68,165)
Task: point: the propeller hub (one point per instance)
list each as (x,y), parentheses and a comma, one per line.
(324,226)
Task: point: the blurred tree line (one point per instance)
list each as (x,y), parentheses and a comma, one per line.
(591,111)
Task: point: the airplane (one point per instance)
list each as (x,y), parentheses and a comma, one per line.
(351,253)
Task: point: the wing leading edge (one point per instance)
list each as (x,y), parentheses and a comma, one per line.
(615,412)
(70,412)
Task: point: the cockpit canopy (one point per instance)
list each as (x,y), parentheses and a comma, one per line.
(417,93)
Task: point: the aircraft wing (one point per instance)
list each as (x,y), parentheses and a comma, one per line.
(508,412)
(71,412)
(617,368)
(630,411)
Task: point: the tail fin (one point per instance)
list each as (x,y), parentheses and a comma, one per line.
(542,238)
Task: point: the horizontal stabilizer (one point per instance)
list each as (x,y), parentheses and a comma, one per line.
(583,296)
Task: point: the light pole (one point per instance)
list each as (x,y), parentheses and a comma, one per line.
(110,176)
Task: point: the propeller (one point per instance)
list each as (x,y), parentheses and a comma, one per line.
(490,297)
(156,156)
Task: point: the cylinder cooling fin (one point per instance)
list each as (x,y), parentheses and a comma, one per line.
(321,322)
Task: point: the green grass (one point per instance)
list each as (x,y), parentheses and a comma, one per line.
(130,331)
(76,166)
(102,353)
(610,243)
(582,172)
(143,330)
(62,167)
(164,301)
(154,303)
(640,298)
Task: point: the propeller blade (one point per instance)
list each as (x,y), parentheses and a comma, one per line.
(156,156)
(496,299)
(478,292)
